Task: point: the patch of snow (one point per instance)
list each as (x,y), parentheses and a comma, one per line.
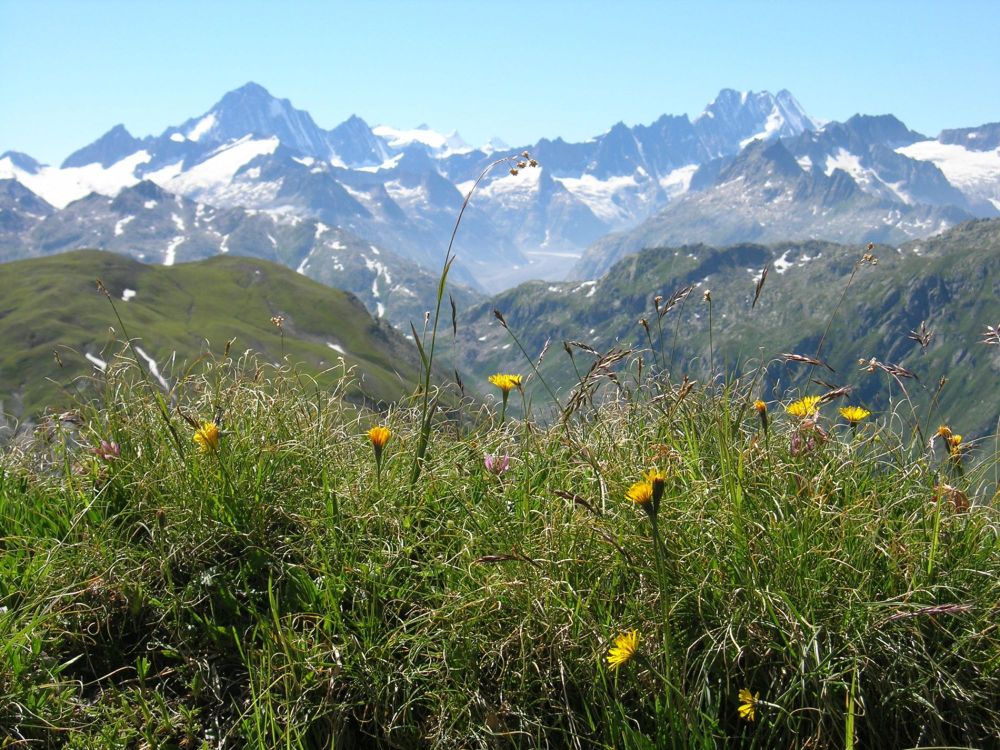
(153,369)
(445,145)
(320,228)
(99,363)
(127,294)
(304,264)
(60,187)
(177,138)
(406,197)
(374,250)
(379,310)
(149,205)
(203,125)
(336,347)
(772,125)
(782,264)
(387,164)
(377,266)
(216,171)
(602,197)
(171,252)
(678,181)
(120,225)
(178,222)
(973,172)
(307,161)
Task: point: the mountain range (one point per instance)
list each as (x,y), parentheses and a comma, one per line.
(750,167)
(944,290)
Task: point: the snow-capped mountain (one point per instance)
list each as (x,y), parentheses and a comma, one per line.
(402,188)
(149,224)
(765,194)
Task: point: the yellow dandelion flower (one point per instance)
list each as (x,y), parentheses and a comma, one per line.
(379,436)
(207,436)
(804,407)
(505,382)
(854,414)
(944,431)
(640,493)
(955,444)
(748,705)
(654,475)
(626,644)
(760,406)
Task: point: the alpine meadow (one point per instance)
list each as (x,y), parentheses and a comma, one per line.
(685,435)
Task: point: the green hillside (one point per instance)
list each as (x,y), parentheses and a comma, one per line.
(177,314)
(951,283)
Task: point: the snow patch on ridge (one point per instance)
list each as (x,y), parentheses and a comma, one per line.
(60,187)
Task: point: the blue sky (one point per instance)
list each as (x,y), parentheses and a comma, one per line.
(69,71)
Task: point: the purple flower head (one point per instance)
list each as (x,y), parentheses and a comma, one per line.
(108,451)
(496,464)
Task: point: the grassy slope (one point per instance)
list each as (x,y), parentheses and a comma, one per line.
(952,282)
(51,304)
(276,594)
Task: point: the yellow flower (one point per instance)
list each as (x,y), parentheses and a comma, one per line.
(655,475)
(640,493)
(624,649)
(854,414)
(804,407)
(760,406)
(955,444)
(748,705)
(207,436)
(944,431)
(379,436)
(505,382)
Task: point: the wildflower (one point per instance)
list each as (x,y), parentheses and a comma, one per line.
(748,705)
(379,436)
(804,407)
(207,436)
(761,409)
(626,644)
(854,414)
(505,382)
(640,493)
(496,464)
(656,480)
(108,451)
(952,441)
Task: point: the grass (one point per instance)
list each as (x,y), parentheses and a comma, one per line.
(178,314)
(269,594)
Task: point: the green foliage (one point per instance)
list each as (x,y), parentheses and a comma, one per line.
(949,283)
(178,314)
(270,594)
